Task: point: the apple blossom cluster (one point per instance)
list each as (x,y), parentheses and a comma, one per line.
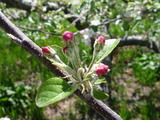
(80,73)
(84,73)
(68,37)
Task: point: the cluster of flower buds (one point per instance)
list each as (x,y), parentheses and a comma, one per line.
(72,52)
(68,38)
(81,75)
(71,49)
(98,46)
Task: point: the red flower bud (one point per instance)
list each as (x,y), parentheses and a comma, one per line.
(67,36)
(45,50)
(102,69)
(101,39)
(65,49)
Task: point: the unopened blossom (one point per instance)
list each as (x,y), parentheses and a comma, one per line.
(67,36)
(65,49)
(99,43)
(101,39)
(45,50)
(48,50)
(102,69)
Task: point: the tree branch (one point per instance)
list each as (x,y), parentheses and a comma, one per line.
(29,5)
(135,40)
(33,49)
(38,30)
(19,4)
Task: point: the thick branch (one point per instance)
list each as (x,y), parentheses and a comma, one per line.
(32,48)
(139,41)
(29,5)
(19,4)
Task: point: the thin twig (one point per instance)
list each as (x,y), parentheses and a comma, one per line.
(38,30)
(109,21)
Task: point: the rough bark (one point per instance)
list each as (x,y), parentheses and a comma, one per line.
(33,49)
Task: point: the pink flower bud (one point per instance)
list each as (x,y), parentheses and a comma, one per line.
(67,36)
(45,50)
(99,43)
(101,39)
(102,69)
(65,49)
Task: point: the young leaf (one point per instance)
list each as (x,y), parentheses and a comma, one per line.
(53,90)
(99,81)
(60,53)
(99,95)
(109,46)
(66,68)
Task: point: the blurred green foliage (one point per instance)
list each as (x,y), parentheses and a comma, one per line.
(16,102)
(147,68)
(136,74)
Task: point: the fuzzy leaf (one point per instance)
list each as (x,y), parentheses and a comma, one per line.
(60,53)
(66,68)
(99,81)
(53,90)
(99,95)
(107,49)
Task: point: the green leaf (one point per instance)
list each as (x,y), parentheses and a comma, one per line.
(99,81)
(53,90)
(107,49)
(99,95)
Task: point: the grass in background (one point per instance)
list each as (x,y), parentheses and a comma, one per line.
(136,84)
(147,68)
